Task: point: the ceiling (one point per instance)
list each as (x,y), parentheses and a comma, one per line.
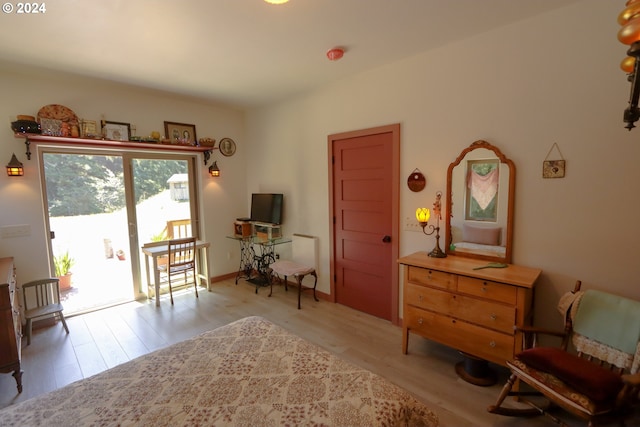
(243,52)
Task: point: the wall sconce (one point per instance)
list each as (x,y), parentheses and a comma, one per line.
(629,34)
(423,215)
(214,170)
(14,168)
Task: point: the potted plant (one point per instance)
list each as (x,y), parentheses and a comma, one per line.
(161,236)
(63,264)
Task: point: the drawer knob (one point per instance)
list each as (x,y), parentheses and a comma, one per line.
(420,298)
(492,344)
(420,321)
(493,316)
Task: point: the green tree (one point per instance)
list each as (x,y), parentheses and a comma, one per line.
(92,184)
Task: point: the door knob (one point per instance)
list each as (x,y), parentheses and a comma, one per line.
(386,239)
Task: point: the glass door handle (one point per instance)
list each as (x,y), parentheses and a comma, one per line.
(132,229)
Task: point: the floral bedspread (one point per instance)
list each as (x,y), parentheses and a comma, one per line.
(247,373)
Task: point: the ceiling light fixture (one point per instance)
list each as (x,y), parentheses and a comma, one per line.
(276,1)
(335,53)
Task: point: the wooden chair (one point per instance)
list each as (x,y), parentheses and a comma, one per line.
(42,298)
(181,263)
(303,262)
(178,228)
(599,380)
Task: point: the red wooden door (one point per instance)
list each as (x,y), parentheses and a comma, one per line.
(365,225)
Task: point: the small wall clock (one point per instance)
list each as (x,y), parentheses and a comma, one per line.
(227,147)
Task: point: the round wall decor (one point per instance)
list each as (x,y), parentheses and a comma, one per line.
(416,181)
(227,147)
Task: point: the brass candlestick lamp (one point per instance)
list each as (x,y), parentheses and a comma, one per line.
(423,215)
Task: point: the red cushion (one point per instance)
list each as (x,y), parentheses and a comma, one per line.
(594,381)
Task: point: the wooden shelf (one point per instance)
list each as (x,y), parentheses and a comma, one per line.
(36,138)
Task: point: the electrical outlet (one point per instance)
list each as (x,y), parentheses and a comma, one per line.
(411,224)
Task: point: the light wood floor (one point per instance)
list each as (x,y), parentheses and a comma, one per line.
(106,338)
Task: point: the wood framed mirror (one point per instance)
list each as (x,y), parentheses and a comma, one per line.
(480,200)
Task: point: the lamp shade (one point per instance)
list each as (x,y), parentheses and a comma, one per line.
(14,168)
(630,32)
(423,215)
(632,11)
(627,64)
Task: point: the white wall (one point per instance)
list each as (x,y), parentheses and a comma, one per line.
(553,78)
(25,91)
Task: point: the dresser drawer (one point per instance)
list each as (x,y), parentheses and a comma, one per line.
(417,295)
(487,289)
(439,279)
(497,316)
(480,342)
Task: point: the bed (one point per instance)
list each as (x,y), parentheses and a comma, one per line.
(481,240)
(480,249)
(248,373)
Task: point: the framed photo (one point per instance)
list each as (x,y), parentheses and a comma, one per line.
(116,131)
(227,147)
(180,133)
(89,128)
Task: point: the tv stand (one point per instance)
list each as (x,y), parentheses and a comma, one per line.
(256,254)
(263,230)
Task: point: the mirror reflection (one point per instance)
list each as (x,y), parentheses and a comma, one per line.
(480,195)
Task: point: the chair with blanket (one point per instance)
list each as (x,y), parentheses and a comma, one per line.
(597,381)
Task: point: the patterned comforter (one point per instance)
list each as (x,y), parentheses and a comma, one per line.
(247,373)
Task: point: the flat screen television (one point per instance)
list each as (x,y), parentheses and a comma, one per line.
(266,207)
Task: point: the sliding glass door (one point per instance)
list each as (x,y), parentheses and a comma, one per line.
(165,203)
(101,208)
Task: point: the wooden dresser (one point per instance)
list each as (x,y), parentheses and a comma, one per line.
(10,325)
(474,311)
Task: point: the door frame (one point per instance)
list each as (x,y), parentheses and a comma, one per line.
(394,129)
(127,155)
